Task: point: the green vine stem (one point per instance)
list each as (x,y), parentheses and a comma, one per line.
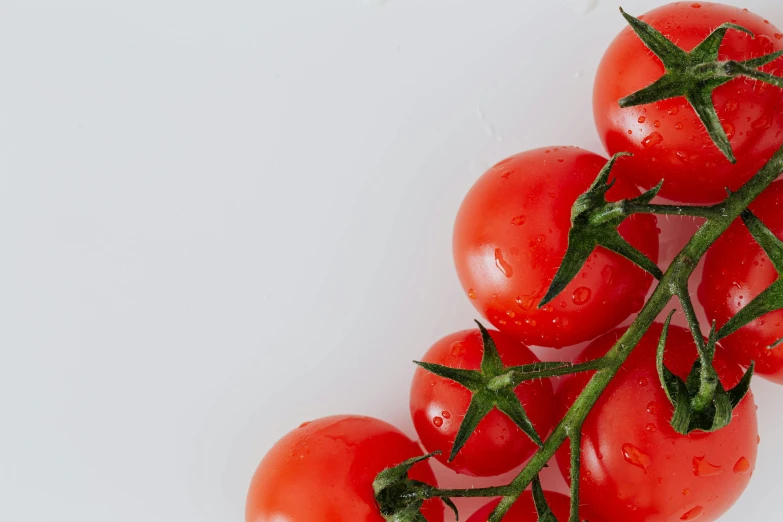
(674,279)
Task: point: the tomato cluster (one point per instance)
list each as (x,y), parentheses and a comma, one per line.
(511,236)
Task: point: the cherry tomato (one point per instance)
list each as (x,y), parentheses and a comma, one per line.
(438,406)
(524,510)
(634,465)
(324,471)
(510,237)
(667,138)
(736,271)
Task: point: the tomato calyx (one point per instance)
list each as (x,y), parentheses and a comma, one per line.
(400,498)
(492,386)
(701,403)
(770,299)
(695,74)
(594,222)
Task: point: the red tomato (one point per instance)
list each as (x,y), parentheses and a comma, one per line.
(324,471)
(524,510)
(667,138)
(510,237)
(438,406)
(736,270)
(634,465)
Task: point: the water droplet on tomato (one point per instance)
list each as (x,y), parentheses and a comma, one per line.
(530,322)
(506,174)
(581,295)
(652,408)
(657,123)
(642,119)
(502,265)
(519,220)
(693,514)
(686,492)
(762,123)
(472,293)
(634,455)
(652,140)
(510,313)
(728,128)
(457,349)
(702,468)
(651,428)
(304,424)
(549,308)
(445,415)
(606,274)
(525,302)
(686,157)
(674,110)
(678,126)
(438,422)
(742,465)
(731,106)
(643,381)
(696,6)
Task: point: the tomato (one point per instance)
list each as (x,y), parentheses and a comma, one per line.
(438,406)
(736,271)
(634,465)
(511,234)
(324,471)
(667,138)
(524,510)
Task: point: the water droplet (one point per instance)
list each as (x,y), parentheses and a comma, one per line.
(696,6)
(457,349)
(643,381)
(652,140)
(762,123)
(731,106)
(530,322)
(549,308)
(634,456)
(630,131)
(519,220)
(693,514)
(445,414)
(742,465)
(472,293)
(304,424)
(652,408)
(674,110)
(702,468)
(657,123)
(679,126)
(779,36)
(728,128)
(685,157)
(502,321)
(502,265)
(525,302)
(607,273)
(438,422)
(510,313)
(581,295)
(686,492)
(651,428)
(642,119)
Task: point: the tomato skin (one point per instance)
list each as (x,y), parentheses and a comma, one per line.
(324,471)
(634,465)
(511,234)
(524,510)
(667,139)
(736,270)
(438,406)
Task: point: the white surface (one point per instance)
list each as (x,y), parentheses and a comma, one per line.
(213,213)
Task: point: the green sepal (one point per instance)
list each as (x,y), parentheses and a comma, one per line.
(691,412)
(696,74)
(400,498)
(771,299)
(543,510)
(491,387)
(594,223)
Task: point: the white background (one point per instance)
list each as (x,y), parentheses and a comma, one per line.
(220,219)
